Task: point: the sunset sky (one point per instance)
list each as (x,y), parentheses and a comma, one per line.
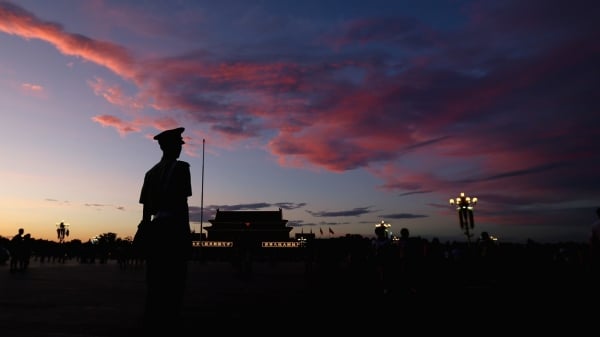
(341,113)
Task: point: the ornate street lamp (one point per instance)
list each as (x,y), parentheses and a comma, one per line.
(62,231)
(464,206)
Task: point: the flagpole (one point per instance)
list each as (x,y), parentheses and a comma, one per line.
(202,192)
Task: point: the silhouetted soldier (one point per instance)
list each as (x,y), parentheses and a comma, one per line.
(164,195)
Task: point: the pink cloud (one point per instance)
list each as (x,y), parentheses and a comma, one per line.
(122,127)
(478,107)
(16,21)
(34,90)
(115,95)
(32,87)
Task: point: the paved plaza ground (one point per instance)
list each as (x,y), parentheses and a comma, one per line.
(74,299)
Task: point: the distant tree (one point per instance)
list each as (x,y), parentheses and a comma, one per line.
(106,245)
(107,238)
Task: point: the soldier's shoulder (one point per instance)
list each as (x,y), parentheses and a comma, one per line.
(182,163)
(153,169)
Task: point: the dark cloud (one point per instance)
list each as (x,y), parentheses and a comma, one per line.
(403,216)
(358,211)
(289,205)
(413,193)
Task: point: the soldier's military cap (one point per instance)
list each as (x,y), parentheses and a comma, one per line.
(170,136)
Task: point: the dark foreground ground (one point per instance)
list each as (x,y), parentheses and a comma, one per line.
(73,299)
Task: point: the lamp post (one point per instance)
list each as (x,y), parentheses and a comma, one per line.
(62,231)
(464,206)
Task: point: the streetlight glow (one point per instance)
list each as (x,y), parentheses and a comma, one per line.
(464,206)
(383,226)
(62,231)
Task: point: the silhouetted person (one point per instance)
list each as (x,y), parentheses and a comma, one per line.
(164,195)
(487,257)
(16,250)
(409,262)
(25,252)
(595,245)
(383,258)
